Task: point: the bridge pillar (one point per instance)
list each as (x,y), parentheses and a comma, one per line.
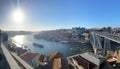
(106,45)
(96,43)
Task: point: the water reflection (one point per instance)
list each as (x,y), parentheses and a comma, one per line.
(18,40)
(49,46)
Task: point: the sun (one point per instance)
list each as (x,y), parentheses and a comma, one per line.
(18,16)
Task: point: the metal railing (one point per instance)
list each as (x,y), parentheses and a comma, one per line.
(110,36)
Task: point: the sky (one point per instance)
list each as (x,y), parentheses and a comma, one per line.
(60,14)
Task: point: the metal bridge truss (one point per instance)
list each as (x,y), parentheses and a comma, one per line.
(106,45)
(97,43)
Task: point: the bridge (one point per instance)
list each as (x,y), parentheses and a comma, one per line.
(101,40)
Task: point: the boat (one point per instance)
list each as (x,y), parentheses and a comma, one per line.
(38,45)
(82,42)
(64,42)
(75,49)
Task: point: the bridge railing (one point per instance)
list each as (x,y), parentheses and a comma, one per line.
(113,36)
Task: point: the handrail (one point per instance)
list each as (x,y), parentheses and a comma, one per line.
(107,37)
(12,63)
(21,61)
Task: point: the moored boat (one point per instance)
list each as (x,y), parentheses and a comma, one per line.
(38,45)
(74,49)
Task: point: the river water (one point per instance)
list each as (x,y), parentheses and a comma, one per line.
(49,46)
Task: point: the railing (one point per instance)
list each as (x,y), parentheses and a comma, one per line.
(12,63)
(110,36)
(21,61)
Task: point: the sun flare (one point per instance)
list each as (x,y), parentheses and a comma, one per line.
(18,16)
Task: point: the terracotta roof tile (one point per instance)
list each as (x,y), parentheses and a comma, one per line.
(28,56)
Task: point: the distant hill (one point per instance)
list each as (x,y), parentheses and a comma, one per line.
(13,33)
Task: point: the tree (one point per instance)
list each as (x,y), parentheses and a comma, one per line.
(85,50)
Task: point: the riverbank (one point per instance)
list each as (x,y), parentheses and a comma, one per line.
(49,46)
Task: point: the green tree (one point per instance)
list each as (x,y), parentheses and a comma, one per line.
(85,50)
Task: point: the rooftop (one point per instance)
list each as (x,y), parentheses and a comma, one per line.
(28,56)
(57,63)
(94,58)
(87,60)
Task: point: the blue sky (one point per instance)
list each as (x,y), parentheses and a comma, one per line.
(56,14)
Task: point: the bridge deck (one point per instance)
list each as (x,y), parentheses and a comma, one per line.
(109,36)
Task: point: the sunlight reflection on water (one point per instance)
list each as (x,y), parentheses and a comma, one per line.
(18,40)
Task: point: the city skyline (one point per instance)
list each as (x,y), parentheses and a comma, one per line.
(59,14)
